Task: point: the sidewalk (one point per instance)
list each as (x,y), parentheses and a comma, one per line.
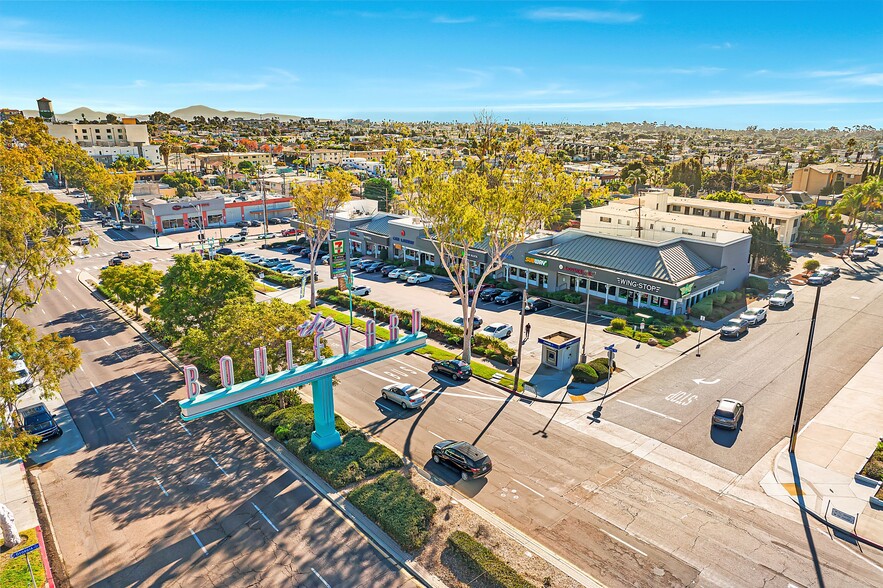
(830,450)
(15,494)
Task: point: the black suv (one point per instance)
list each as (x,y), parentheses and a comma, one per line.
(489,294)
(37,420)
(507,297)
(457,369)
(464,457)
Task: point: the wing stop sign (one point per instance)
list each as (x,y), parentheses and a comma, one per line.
(319,373)
(338,258)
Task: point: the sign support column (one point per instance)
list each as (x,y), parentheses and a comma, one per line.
(325,436)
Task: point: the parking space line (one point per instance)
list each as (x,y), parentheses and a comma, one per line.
(129,439)
(321,579)
(266,518)
(615,538)
(219,466)
(435,434)
(185,428)
(198,542)
(137,376)
(648,410)
(158,483)
(528,487)
(111,414)
(105,342)
(158,399)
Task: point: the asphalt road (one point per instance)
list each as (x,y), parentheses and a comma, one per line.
(150,501)
(762,369)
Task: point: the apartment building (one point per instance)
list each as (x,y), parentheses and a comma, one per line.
(212,162)
(814,178)
(108,141)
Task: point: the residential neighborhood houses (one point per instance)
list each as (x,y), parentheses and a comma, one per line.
(647,309)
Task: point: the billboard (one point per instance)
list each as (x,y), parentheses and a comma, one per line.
(338,258)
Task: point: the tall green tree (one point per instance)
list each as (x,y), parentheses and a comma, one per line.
(132,284)
(194,290)
(728,196)
(381,190)
(766,251)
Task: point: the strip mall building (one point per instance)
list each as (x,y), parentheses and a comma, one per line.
(211,211)
(666,273)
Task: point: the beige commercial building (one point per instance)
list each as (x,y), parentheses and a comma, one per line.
(209,162)
(108,141)
(812,179)
(662,213)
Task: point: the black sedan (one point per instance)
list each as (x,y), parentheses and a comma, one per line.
(464,457)
(373,267)
(535,304)
(508,297)
(387,268)
(457,369)
(489,294)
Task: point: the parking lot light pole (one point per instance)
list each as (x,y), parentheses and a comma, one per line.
(520,340)
(698,354)
(803,376)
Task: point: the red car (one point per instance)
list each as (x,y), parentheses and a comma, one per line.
(290,232)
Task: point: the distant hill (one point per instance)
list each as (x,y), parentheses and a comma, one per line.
(185,113)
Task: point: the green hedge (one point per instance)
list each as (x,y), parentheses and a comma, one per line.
(584,374)
(394,504)
(600,367)
(568,296)
(354,460)
(481,561)
(273,276)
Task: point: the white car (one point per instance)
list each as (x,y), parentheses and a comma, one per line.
(754,316)
(498,330)
(782,298)
(267,236)
(23,378)
(419,278)
(361,290)
(394,274)
(236,238)
(405,395)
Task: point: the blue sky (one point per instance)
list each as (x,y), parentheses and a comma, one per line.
(718,64)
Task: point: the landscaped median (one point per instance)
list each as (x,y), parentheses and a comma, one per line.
(483,563)
(479,369)
(14,571)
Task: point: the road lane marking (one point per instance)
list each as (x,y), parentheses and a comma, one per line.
(139,378)
(185,428)
(528,487)
(158,399)
(74,306)
(82,370)
(219,466)
(321,579)
(65,297)
(615,538)
(93,387)
(111,414)
(105,340)
(132,444)
(158,483)
(120,357)
(445,392)
(266,518)
(436,434)
(648,410)
(43,311)
(198,542)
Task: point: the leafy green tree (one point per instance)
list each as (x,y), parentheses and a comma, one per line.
(687,172)
(767,252)
(130,163)
(728,196)
(132,284)
(811,265)
(246,167)
(185,183)
(381,190)
(194,290)
(60,216)
(241,326)
(680,188)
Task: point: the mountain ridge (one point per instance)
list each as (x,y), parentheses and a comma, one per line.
(186,113)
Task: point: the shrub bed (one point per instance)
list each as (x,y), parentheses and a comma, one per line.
(481,561)
(874,468)
(273,276)
(568,296)
(394,504)
(584,374)
(718,305)
(354,460)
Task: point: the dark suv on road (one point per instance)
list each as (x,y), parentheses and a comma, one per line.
(457,369)
(489,294)
(508,297)
(37,420)
(464,457)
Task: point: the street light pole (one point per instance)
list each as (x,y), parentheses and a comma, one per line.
(586,320)
(520,340)
(803,376)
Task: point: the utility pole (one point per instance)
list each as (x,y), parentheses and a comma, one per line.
(639,228)
(586,320)
(803,376)
(520,340)
(264,199)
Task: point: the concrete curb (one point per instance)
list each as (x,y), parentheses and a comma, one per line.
(378,539)
(45,558)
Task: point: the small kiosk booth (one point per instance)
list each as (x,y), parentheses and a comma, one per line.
(560,350)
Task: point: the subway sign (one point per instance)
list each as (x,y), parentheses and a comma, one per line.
(535,261)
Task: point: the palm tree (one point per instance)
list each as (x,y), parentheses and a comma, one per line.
(851,204)
(635,177)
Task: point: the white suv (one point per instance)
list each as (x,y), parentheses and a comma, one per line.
(782,298)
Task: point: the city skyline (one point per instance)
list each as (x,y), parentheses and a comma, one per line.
(720,65)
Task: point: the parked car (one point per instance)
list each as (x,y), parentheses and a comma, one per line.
(293,249)
(535,304)
(833,270)
(728,414)
(361,262)
(476,321)
(305,252)
(405,395)
(37,420)
(754,316)
(384,271)
(22,378)
(870,250)
(508,297)
(99,214)
(373,267)
(289,232)
(819,279)
(115,261)
(253,223)
(456,368)
(858,254)
(419,278)
(271,262)
(242,224)
(464,457)
(782,298)
(224,251)
(489,294)
(124,255)
(361,290)
(734,328)
(480,290)
(285,265)
(80,241)
(236,238)
(270,235)
(498,330)
(405,274)
(274,221)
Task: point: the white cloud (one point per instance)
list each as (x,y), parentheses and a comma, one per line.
(453,20)
(721,46)
(582,15)
(14,36)
(868,79)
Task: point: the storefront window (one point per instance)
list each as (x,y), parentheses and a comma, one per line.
(173,223)
(215,219)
